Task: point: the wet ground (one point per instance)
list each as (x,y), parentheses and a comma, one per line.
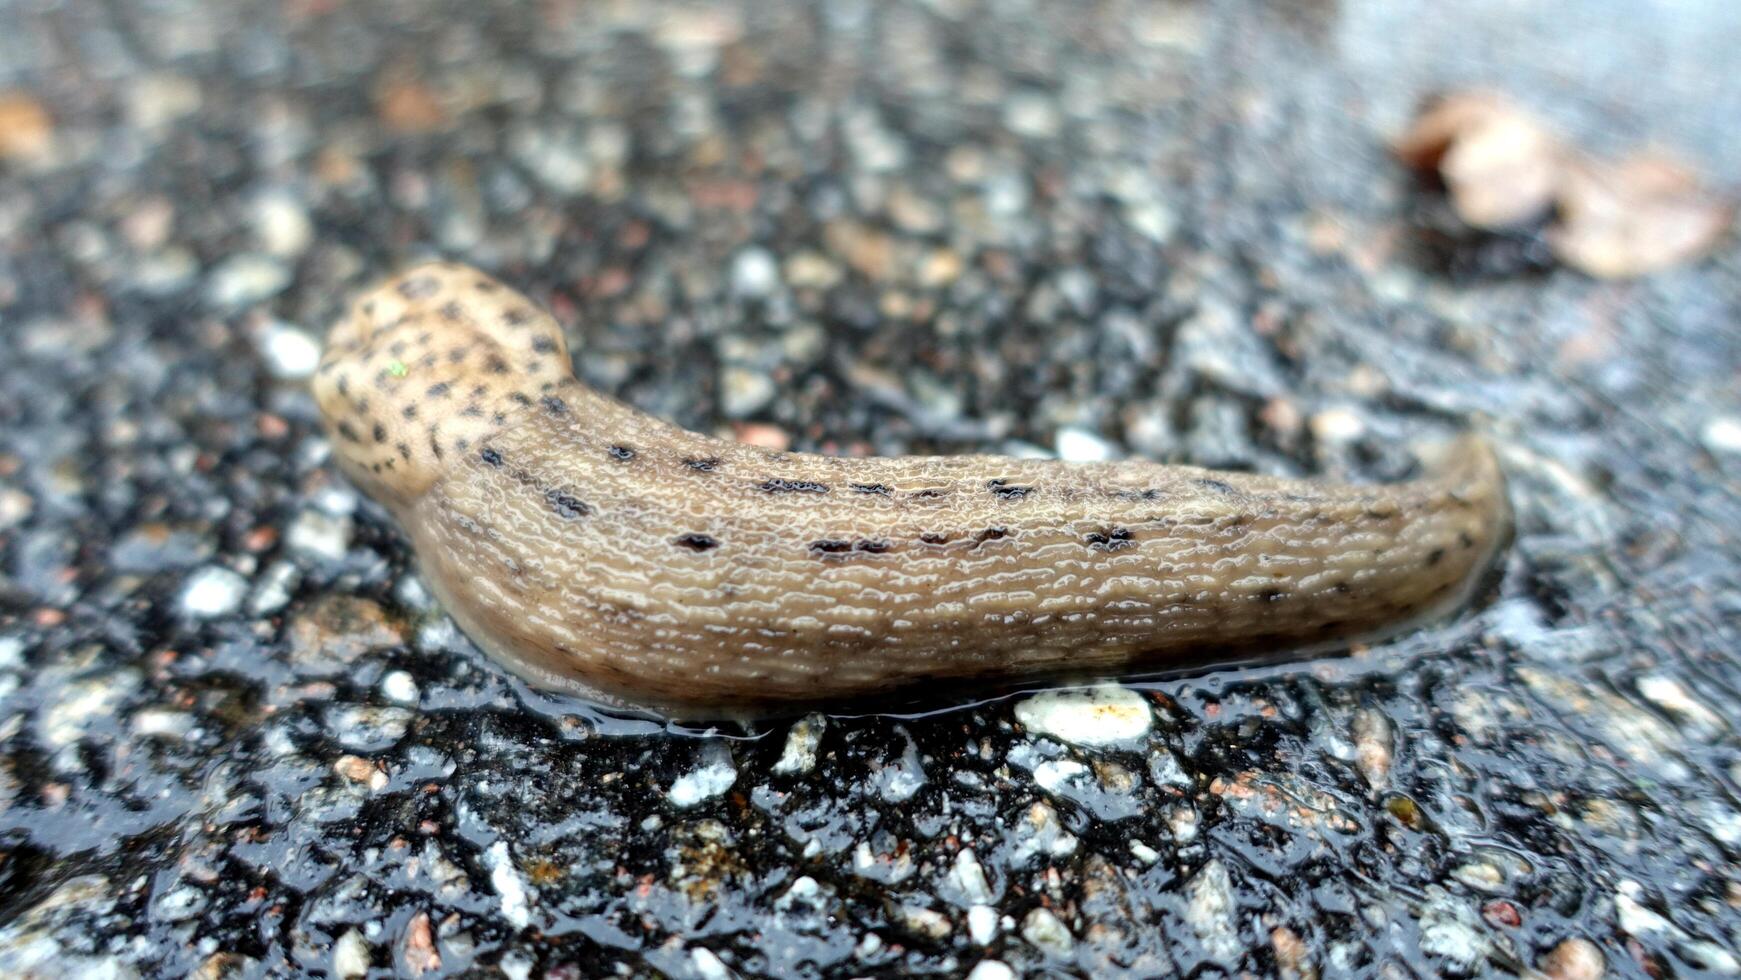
(237,738)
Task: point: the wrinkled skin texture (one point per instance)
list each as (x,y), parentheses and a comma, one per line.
(599,551)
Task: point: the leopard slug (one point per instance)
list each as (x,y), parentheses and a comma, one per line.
(598,551)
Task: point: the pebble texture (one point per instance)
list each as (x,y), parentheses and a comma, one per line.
(1174,227)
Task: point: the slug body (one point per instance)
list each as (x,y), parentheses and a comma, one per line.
(599,551)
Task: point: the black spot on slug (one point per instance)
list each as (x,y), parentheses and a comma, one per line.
(404,451)
(491,457)
(793,486)
(991,534)
(870,546)
(517,317)
(703,464)
(1465,539)
(519,398)
(1110,540)
(437,390)
(1272,595)
(929,493)
(450,310)
(496,365)
(348,433)
(380,432)
(409,413)
(830,546)
(622,452)
(1002,488)
(876,488)
(566,505)
(1218,486)
(1434,557)
(554,405)
(696,542)
(932,537)
(543,345)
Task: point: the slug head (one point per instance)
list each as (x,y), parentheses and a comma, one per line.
(424,367)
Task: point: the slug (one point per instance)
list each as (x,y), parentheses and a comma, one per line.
(601,552)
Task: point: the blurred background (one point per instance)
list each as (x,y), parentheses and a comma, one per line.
(237,736)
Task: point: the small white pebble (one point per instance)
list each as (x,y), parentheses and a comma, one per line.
(991,970)
(1053,775)
(1723,435)
(11,653)
(715,775)
(1044,929)
(350,956)
(1337,426)
(982,924)
(318,534)
(970,877)
(244,280)
(754,273)
(799,755)
(212,592)
(1143,852)
(506,880)
(398,686)
(1106,714)
(708,965)
(1078,445)
(289,352)
(282,224)
(159,721)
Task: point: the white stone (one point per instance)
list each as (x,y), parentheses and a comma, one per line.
(289,352)
(350,956)
(1048,932)
(212,592)
(1723,435)
(1209,911)
(1106,714)
(1054,774)
(970,877)
(982,924)
(398,686)
(282,225)
(246,279)
(319,534)
(1143,852)
(715,775)
(754,272)
(1337,426)
(1078,445)
(799,755)
(506,880)
(707,965)
(991,970)
(160,721)
(744,391)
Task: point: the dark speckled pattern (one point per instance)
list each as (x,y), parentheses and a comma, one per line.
(575,539)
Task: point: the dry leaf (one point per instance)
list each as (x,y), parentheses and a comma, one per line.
(1635,217)
(1500,165)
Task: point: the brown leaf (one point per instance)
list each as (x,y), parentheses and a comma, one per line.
(1500,165)
(1619,220)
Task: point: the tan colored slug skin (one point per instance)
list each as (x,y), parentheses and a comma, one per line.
(598,551)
